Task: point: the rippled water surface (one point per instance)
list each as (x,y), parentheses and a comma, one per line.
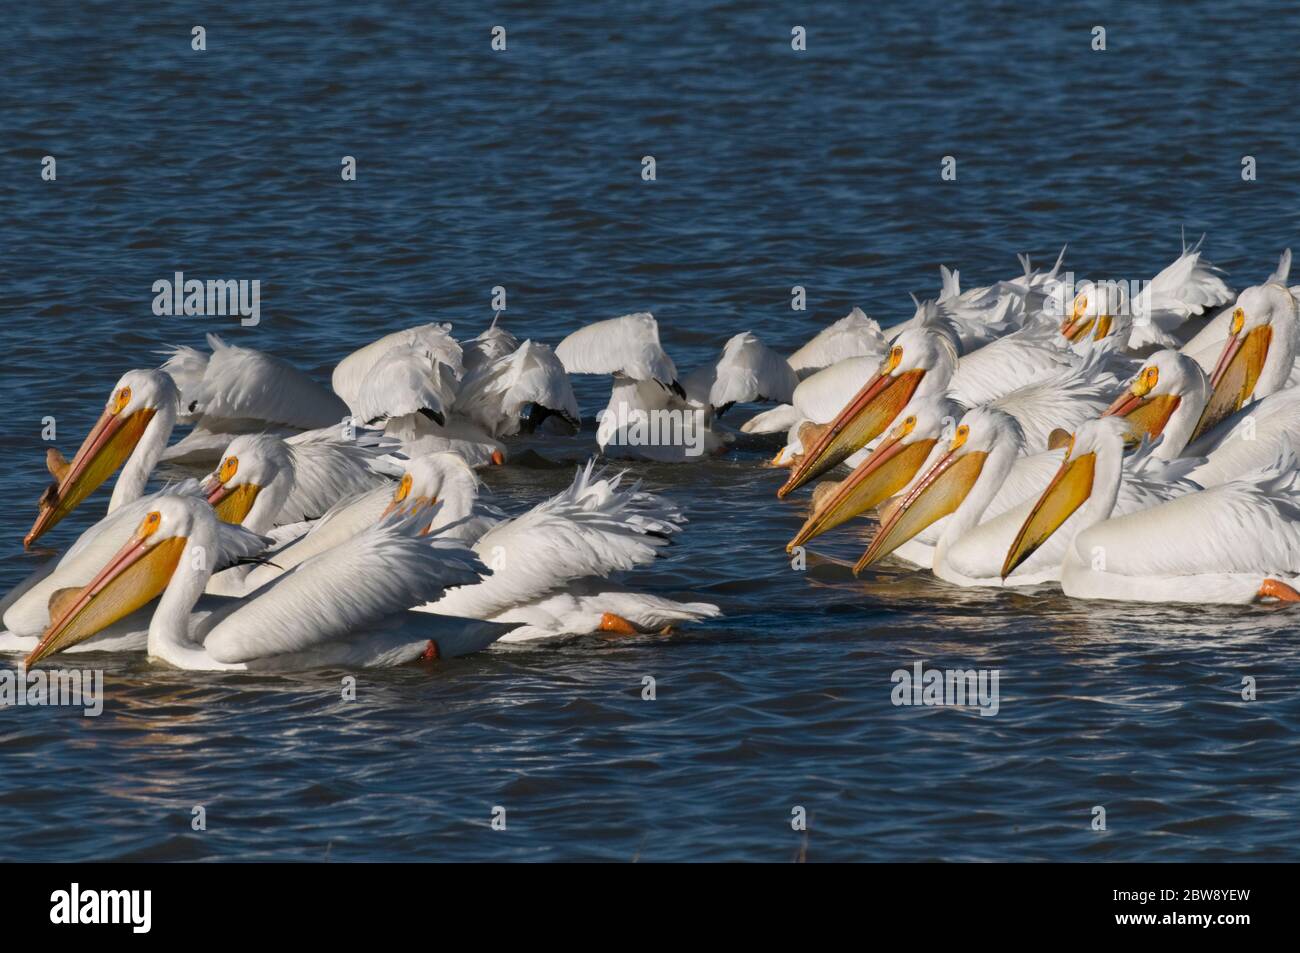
(522,169)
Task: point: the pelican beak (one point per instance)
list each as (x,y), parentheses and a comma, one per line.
(1068,490)
(890,467)
(1146,415)
(232,504)
(1234,377)
(105,448)
(864,419)
(411,505)
(937,494)
(135,576)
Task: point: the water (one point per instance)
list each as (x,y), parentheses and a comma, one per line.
(522,169)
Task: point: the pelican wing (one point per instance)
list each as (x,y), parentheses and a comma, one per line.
(593,528)
(495,395)
(241,384)
(1001,367)
(1250,439)
(351,372)
(1250,525)
(854,335)
(628,345)
(747,371)
(495,342)
(406,379)
(186,365)
(1064,399)
(328,467)
(381,571)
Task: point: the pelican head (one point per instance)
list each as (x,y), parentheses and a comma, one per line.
(921,361)
(437,478)
(984,436)
(1257,356)
(1091,468)
(135,575)
(138,396)
(252,463)
(888,469)
(1164,400)
(1100,310)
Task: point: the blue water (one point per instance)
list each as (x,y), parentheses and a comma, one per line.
(523,169)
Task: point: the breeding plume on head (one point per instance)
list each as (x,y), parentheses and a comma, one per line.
(921,362)
(134,427)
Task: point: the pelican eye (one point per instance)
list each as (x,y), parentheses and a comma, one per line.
(149,525)
(120,400)
(1146,381)
(1080,306)
(403,488)
(959,438)
(229,467)
(1238,320)
(895,357)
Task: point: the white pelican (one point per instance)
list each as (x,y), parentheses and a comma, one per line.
(491,343)
(241,390)
(317,615)
(920,363)
(433,339)
(1258,356)
(28,608)
(1207,344)
(971,474)
(1166,399)
(410,391)
(887,469)
(584,533)
(134,427)
(264,482)
(518,391)
(648,415)
(746,372)
(1043,387)
(1232,543)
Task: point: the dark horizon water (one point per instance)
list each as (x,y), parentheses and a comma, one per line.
(522,169)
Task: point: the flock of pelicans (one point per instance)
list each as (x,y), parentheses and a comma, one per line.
(1127,444)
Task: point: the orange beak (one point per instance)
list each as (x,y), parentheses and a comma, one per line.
(105,448)
(864,419)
